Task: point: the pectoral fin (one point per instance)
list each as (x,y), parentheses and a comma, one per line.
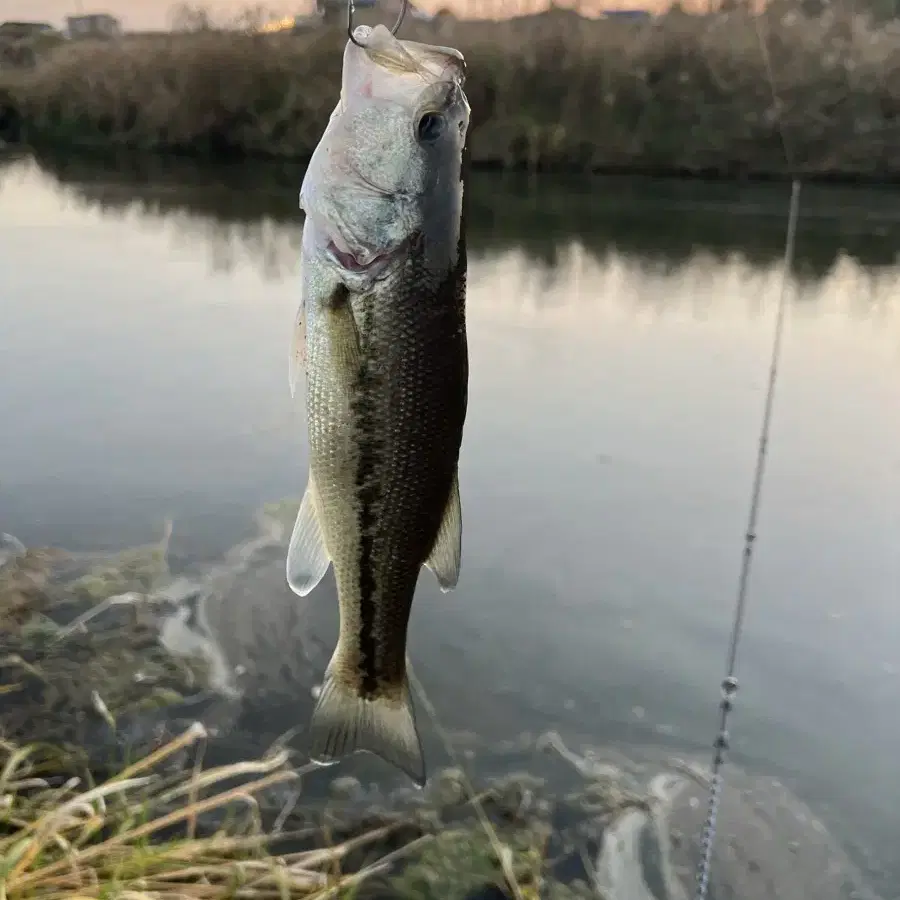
(446,554)
(345,355)
(307,558)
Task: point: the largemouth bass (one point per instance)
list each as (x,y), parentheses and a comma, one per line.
(382,335)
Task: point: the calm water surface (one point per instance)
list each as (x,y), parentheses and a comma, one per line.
(619,346)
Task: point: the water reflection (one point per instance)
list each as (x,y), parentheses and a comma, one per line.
(236,207)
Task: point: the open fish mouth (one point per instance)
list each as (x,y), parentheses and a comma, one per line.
(364,263)
(352,263)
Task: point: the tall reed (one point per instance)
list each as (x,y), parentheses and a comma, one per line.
(555,90)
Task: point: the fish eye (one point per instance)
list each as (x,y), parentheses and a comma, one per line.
(431,126)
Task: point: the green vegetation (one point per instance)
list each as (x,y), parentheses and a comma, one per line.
(22,47)
(682,93)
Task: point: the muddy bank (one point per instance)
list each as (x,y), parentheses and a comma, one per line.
(679,95)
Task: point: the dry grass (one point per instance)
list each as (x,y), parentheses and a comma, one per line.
(136,837)
(163,826)
(682,93)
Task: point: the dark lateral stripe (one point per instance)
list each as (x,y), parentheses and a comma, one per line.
(368,491)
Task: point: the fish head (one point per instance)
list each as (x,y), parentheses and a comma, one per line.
(405,115)
(387,170)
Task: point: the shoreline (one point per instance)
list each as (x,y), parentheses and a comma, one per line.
(551,806)
(95,151)
(676,97)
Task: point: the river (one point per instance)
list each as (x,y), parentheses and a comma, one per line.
(620,334)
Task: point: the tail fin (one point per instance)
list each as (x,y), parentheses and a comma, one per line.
(344,723)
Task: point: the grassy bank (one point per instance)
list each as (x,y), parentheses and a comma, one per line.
(166,827)
(681,94)
(157,830)
(135,834)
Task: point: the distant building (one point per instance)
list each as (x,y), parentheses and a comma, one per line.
(20,30)
(94,25)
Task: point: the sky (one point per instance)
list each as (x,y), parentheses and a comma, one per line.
(139,15)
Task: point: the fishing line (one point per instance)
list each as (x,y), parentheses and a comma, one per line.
(730,683)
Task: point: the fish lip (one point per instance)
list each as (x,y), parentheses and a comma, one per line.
(346,259)
(349,263)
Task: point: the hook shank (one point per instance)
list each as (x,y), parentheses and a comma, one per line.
(404,4)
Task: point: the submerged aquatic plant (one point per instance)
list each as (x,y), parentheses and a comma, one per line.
(80,662)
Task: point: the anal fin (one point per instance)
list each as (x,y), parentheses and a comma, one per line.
(446,554)
(307,558)
(344,722)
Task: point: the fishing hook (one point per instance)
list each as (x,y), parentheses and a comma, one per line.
(404,5)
